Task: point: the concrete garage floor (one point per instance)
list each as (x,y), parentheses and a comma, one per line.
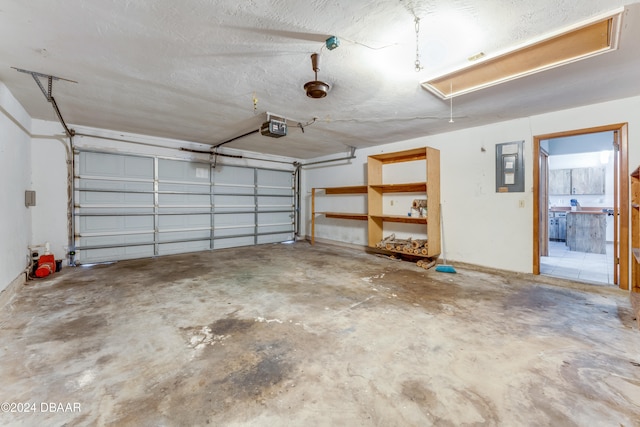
(315,335)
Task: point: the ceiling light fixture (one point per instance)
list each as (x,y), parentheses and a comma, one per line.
(587,39)
(316,88)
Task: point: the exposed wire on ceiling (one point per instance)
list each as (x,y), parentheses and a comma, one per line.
(451,103)
(388,119)
(371,47)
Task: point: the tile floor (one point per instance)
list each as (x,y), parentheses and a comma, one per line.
(580,266)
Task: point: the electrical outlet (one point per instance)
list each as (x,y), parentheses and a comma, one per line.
(521,203)
(391,202)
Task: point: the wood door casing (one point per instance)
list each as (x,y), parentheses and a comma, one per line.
(622,202)
(543,221)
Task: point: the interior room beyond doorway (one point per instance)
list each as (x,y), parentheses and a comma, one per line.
(580,208)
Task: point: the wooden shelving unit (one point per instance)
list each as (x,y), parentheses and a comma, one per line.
(635,230)
(431,188)
(376,187)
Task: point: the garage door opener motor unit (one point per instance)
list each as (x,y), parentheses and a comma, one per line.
(274,128)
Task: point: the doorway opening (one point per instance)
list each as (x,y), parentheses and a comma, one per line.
(580,185)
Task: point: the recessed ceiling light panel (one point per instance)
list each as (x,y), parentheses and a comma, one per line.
(597,36)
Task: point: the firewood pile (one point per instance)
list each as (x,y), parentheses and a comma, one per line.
(410,246)
(406,246)
(426,263)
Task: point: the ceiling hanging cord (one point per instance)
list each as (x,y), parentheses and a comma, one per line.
(450,102)
(416,21)
(418,65)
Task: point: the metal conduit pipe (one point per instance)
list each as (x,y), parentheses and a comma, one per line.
(352,155)
(71,250)
(70,193)
(109,138)
(189,150)
(296,219)
(237,137)
(298,178)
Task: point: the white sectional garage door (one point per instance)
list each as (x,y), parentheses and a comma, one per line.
(134,207)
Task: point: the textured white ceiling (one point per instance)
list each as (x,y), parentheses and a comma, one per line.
(189,70)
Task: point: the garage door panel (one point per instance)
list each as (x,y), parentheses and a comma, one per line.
(184,188)
(183,199)
(274,238)
(233,190)
(111,198)
(234,219)
(184,221)
(96,184)
(115,254)
(275,228)
(226,232)
(172,236)
(233,176)
(284,201)
(233,242)
(105,224)
(179,170)
(135,206)
(274,218)
(234,203)
(273,178)
(271,191)
(115,165)
(123,239)
(183,210)
(181,248)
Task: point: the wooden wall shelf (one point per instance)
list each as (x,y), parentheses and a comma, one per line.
(355,189)
(376,187)
(344,215)
(344,190)
(402,219)
(418,187)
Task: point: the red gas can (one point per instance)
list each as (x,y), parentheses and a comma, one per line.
(46,265)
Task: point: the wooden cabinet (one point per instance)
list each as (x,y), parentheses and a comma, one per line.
(577,181)
(586,232)
(560,181)
(558,226)
(635,232)
(377,186)
(587,181)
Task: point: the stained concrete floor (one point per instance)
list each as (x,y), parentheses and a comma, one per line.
(294,335)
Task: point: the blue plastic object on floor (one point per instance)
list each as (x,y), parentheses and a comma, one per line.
(443,268)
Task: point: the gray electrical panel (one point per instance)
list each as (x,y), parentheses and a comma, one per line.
(510,167)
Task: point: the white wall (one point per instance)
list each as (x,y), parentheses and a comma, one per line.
(15,174)
(49,178)
(482,227)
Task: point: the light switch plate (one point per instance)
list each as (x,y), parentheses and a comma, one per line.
(29,198)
